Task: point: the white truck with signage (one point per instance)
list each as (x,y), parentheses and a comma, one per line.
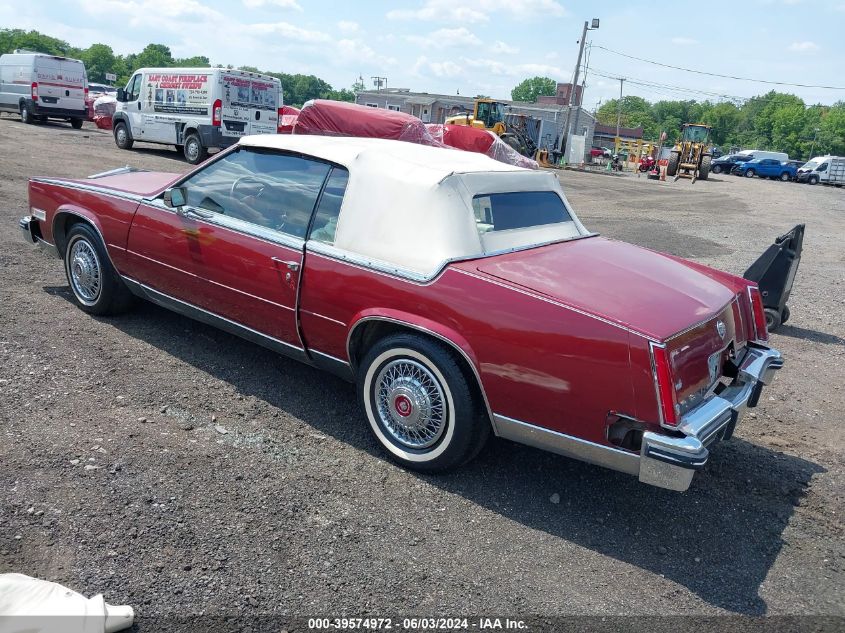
(39,87)
(196,109)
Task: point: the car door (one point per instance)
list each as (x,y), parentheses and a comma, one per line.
(132,107)
(235,250)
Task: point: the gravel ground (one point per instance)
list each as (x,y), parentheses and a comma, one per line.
(178,469)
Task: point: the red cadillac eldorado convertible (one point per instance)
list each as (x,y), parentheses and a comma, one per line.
(460,294)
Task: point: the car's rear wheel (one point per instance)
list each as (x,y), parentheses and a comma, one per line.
(194,151)
(773,319)
(750,173)
(76,124)
(26,115)
(419,403)
(94,283)
(121,136)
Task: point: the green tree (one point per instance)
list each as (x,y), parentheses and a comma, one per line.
(99,59)
(529,89)
(11,39)
(153,56)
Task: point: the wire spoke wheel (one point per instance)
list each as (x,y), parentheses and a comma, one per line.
(410,403)
(85,271)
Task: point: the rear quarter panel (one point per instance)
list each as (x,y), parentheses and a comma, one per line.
(539,362)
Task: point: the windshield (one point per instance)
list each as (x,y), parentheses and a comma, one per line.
(810,165)
(696,134)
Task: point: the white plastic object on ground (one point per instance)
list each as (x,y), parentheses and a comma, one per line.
(29,605)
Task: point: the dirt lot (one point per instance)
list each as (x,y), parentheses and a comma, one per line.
(115,480)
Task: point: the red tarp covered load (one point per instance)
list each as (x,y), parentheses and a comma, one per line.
(287,119)
(338,118)
(104,108)
(473,139)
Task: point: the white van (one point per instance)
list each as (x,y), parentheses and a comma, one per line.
(196,108)
(41,87)
(759,154)
(829,170)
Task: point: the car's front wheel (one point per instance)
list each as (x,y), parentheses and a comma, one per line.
(813,180)
(717,169)
(121,136)
(750,173)
(94,283)
(419,403)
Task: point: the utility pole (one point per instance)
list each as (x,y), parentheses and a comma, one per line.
(573,92)
(378,82)
(813,146)
(619,112)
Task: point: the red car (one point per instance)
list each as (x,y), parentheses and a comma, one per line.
(461,295)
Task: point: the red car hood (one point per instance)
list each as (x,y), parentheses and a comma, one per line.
(142,183)
(646,291)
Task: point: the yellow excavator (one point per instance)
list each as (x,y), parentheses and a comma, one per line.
(692,153)
(489,114)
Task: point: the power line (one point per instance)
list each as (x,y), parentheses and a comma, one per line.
(702,72)
(660,87)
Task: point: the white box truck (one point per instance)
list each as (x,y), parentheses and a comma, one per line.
(759,154)
(828,170)
(195,109)
(40,87)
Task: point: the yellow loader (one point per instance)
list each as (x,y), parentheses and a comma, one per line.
(692,153)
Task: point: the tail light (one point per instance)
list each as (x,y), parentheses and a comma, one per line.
(34,91)
(85,93)
(666,400)
(216,113)
(279,122)
(760,330)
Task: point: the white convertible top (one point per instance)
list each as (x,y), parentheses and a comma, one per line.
(408,207)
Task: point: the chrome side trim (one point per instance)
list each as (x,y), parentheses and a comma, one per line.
(437,336)
(567,445)
(323,316)
(541,297)
(126,169)
(404,274)
(210,318)
(114,193)
(47,248)
(332,364)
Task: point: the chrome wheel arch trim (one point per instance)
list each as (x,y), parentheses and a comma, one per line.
(433,334)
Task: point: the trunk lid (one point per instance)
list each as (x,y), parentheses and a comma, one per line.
(698,312)
(643,290)
(142,183)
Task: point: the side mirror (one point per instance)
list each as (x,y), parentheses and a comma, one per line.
(175,197)
(121,95)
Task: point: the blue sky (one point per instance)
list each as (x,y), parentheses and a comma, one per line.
(479,46)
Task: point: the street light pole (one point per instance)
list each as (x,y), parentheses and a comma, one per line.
(574,91)
(619,113)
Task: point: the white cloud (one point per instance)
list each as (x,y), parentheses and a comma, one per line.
(288,31)
(283,4)
(356,51)
(684,41)
(448,69)
(348,26)
(503,49)
(478,10)
(803,47)
(445,38)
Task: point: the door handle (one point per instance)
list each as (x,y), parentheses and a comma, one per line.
(139,105)
(292,266)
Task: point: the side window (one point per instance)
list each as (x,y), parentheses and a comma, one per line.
(325,220)
(272,190)
(822,167)
(133,89)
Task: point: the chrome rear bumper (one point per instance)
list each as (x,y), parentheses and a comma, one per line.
(31,234)
(670,461)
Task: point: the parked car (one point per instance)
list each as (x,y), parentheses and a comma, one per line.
(196,109)
(829,170)
(766,168)
(95,91)
(727,163)
(461,295)
(41,87)
(601,152)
